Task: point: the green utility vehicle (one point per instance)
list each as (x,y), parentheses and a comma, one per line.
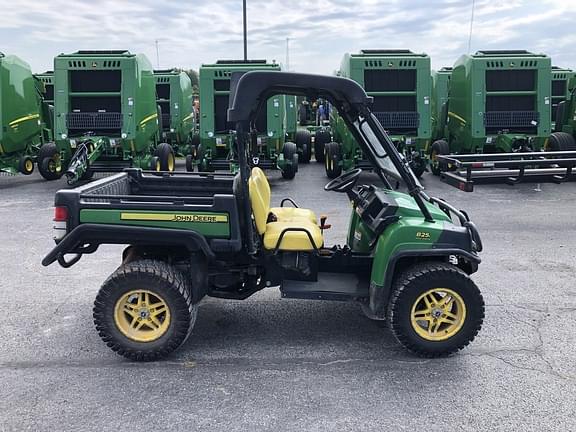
(25,121)
(399,81)
(174,96)
(564,137)
(440,87)
(192,235)
(498,122)
(106,117)
(560,90)
(47,78)
(268,148)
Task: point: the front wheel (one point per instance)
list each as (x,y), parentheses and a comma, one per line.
(166,157)
(290,153)
(48,161)
(303,140)
(435,309)
(332,159)
(321,138)
(144,310)
(438,148)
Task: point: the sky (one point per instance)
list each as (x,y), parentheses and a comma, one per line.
(193,32)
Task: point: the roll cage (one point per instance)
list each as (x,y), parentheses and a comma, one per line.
(249,92)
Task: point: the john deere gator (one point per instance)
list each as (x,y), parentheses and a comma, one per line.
(25,122)
(399,81)
(267,149)
(106,116)
(174,97)
(498,122)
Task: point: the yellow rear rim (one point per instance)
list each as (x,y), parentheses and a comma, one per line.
(438,314)
(142,316)
(28,165)
(171,162)
(158,166)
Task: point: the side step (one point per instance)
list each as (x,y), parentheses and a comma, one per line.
(330,286)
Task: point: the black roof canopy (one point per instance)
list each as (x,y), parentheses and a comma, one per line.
(249,90)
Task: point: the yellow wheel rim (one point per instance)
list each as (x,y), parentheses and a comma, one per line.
(438,314)
(158,166)
(28,165)
(142,316)
(171,162)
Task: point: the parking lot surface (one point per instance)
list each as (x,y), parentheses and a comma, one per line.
(296,365)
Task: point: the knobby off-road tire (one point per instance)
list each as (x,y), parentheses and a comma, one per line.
(454,319)
(144,310)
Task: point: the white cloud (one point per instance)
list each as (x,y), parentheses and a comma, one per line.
(320,32)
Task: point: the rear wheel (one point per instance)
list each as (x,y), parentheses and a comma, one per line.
(435,309)
(303,140)
(189,163)
(144,310)
(290,153)
(166,157)
(48,162)
(321,138)
(561,141)
(26,165)
(438,148)
(332,159)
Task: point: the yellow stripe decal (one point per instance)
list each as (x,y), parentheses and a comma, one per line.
(174,217)
(23,119)
(147,119)
(456,116)
(189,116)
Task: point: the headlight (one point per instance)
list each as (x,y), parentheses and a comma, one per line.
(124,136)
(210,134)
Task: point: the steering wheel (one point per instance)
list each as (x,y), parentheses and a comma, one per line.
(345,182)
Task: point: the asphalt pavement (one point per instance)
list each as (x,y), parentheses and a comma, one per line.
(296,365)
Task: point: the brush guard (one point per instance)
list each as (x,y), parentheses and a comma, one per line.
(464,170)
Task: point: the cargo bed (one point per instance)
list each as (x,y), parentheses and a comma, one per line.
(192,210)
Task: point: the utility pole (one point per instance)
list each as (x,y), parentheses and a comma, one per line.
(287,54)
(157,54)
(245,31)
(471,26)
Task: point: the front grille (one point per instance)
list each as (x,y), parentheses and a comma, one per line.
(510,80)
(389,80)
(511,119)
(93,121)
(95,80)
(163,91)
(398,120)
(165,121)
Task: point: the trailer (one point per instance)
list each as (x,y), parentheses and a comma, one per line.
(400,84)
(268,148)
(25,121)
(106,117)
(499,123)
(177,118)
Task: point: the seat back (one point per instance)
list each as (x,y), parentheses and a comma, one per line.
(259,191)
